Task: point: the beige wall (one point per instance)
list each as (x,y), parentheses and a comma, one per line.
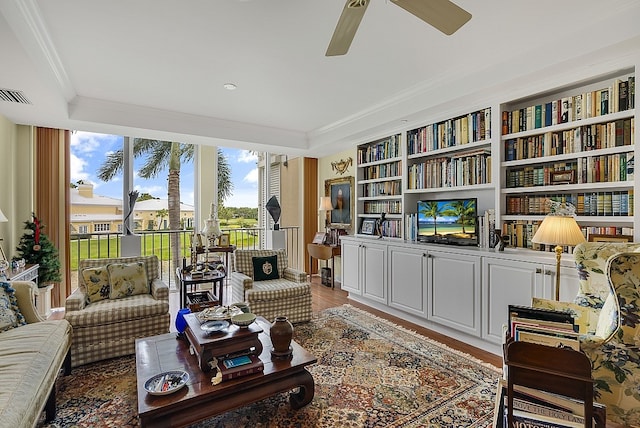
(16,181)
(325,172)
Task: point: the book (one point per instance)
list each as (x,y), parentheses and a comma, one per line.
(239,366)
(547,336)
(541,317)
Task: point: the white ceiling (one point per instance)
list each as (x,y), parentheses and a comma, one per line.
(156,68)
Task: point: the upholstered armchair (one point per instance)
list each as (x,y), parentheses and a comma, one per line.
(117,301)
(608,314)
(264,280)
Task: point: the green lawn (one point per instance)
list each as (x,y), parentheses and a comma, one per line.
(152,243)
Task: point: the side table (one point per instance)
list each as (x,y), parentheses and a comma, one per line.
(213,277)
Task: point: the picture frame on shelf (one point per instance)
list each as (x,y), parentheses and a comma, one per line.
(563,177)
(224,240)
(340,190)
(320,238)
(368,226)
(594,237)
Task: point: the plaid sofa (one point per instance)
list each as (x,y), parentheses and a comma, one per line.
(108,328)
(289,295)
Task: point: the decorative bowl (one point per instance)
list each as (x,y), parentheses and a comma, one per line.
(243,320)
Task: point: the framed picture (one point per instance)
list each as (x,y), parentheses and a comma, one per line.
(224,240)
(320,238)
(340,190)
(368,226)
(610,238)
(563,177)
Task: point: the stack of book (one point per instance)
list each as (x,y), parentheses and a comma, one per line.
(543,326)
(238,365)
(534,408)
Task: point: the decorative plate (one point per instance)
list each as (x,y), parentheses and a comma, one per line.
(218,313)
(214,325)
(166,383)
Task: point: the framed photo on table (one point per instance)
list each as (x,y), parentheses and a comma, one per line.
(593,237)
(340,190)
(224,240)
(320,238)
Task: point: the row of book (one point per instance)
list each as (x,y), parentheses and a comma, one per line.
(487,237)
(385,170)
(584,138)
(387,188)
(392,228)
(464,170)
(461,130)
(387,148)
(594,169)
(618,96)
(518,233)
(613,203)
(379,207)
(237,365)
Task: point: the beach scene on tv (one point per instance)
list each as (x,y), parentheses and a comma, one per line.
(448,221)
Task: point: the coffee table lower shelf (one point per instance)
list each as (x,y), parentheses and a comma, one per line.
(199,399)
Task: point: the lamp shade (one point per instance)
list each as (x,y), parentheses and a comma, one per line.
(325,204)
(558,230)
(3,218)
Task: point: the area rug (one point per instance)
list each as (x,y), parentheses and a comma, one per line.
(370,373)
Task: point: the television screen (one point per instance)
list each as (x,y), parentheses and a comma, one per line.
(448,221)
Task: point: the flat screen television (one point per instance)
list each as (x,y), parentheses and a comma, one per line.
(448,221)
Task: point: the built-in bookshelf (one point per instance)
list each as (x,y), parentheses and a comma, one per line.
(451,153)
(572,145)
(379,184)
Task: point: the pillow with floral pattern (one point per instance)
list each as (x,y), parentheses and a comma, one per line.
(96,281)
(10,315)
(127,279)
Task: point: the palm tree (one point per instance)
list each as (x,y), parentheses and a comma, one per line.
(432,209)
(160,214)
(159,155)
(463,210)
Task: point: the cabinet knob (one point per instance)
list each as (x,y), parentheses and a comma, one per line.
(538,270)
(548,272)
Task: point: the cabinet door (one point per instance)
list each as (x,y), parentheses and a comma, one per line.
(408,280)
(454,291)
(568,283)
(350,258)
(505,282)
(374,269)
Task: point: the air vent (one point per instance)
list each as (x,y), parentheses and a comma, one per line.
(13,96)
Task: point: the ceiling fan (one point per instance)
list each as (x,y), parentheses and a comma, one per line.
(441,14)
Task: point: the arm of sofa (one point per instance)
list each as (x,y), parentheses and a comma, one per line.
(239,283)
(294,275)
(25,294)
(159,289)
(76,301)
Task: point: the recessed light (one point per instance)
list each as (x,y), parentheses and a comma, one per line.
(229,86)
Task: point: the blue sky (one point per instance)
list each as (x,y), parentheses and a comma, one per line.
(88,151)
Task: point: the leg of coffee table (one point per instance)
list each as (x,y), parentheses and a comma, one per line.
(306,390)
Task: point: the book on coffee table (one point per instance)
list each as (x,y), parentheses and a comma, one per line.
(240,366)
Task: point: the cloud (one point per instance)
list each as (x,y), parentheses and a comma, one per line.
(155,191)
(242,198)
(252,176)
(77,166)
(89,142)
(247,156)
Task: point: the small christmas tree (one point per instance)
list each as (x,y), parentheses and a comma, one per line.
(35,248)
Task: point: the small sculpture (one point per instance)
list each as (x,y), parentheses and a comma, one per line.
(273,208)
(133,198)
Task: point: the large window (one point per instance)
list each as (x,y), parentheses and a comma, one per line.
(102,227)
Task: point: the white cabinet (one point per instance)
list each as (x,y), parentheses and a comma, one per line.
(350,258)
(454,291)
(364,267)
(408,270)
(515,282)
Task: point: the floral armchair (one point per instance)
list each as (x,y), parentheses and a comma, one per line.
(607,310)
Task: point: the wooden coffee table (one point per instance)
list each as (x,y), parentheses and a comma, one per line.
(199,399)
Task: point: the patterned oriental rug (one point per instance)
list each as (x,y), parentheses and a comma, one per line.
(370,373)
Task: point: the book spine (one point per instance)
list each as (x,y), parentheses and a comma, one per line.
(243,372)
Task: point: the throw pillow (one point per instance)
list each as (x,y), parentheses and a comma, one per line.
(96,281)
(265,268)
(10,315)
(127,279)
(585,318)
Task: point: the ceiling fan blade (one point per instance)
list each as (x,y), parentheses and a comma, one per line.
(346,28)
(441,14)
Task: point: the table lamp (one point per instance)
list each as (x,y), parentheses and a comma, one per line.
(558,230)
(3,219)
(325,205)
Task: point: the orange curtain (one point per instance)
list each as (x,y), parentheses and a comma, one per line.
(52,148)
